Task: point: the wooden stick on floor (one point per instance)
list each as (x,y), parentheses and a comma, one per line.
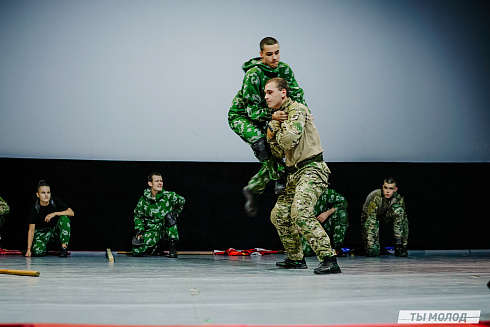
(32,273)
(109,255)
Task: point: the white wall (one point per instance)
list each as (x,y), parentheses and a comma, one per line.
(386,80)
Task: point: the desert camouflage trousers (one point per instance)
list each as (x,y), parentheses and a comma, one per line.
(370,229)
(152,237)
(336,226)
(271,169)
(43,236)
(293,213)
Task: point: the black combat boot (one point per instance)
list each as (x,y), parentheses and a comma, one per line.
(401,250)
(292,264)
(328,266)
(251,206)
(63,252)
(172,249)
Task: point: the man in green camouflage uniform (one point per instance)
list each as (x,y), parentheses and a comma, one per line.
(296,139)
(155,219)
(4,210)
(249,114)
(331,212)
(388,207)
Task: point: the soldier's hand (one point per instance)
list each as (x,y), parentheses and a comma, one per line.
(273,127)
(322,217)
(280,115)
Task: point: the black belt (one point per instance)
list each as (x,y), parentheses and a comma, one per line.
(301,164)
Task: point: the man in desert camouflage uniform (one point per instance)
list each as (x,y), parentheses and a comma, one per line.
(155,219)
(331,212)
(387,206)
(249,114)
(296,138)
(4,210)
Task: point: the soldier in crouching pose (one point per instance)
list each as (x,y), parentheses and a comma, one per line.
(48,221)
(386,207)
(155,219)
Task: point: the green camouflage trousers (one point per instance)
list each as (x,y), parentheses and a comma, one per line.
(152,237)
(43,236)
(271,169)
(370,229)
(336,225)
(293,212)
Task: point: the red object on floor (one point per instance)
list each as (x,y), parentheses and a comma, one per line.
(232,251)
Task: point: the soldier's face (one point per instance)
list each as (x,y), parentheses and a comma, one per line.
(156,184)
(270,55)
(273,96)
(44,194)
(389,189)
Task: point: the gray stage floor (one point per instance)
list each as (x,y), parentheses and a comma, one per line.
(206,289)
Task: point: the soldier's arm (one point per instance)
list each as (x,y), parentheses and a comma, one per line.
(400,221)
(291,130)
(138,216)
(254,99)
(178,203)
(370,223)
(276,149)
(339,202)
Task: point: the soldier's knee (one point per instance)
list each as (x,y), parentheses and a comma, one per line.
(64,220)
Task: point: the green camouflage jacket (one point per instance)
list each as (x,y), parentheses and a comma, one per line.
(330,199)
(250,99)
(150,212)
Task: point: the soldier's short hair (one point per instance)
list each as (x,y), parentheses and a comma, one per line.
(150,177)
(280,83)
(40,184)
(390,180)
(269,40)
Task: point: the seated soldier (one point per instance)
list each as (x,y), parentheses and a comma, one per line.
(155,219)
(331,211)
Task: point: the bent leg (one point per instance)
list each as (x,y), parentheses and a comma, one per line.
(63,228)
(308,190)
(41,239)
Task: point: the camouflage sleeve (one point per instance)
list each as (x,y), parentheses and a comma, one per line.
(276,149)
(370,223)
(177,203)
(337,200)
(296,93)
(139,213)
(4,208)
(291,130)
(253,99)
(400,222)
